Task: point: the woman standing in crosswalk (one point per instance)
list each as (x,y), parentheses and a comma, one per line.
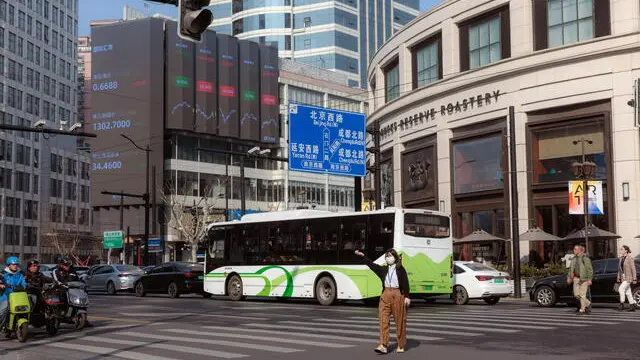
(394,299)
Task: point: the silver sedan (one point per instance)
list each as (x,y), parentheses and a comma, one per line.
(112,278)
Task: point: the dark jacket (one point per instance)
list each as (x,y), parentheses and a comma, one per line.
(61,276)
(381,271)
(35,282)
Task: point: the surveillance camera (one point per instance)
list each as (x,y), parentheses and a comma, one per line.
(265,151)
(253,150)
(40,124)
(75,126)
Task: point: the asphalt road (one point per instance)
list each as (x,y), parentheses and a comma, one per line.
(159,328)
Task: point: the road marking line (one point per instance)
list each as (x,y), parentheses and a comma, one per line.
(133,355)
(286,333)
(427,325)
(170,347)
(157,314)
(261,338)
(452,321)
(294,307)
(373,334)
(414,327)
(554,320)
(119,319)
(594,316)
(212,342)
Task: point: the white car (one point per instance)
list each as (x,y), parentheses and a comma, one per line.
(474,280)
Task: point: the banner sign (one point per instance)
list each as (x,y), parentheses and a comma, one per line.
(595,197)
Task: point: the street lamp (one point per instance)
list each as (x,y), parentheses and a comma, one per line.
(145,196)
(584,170)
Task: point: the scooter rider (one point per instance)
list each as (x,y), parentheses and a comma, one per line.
(35,281)
(12,278)
(64,272)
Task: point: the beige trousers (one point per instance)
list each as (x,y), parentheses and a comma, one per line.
(580,292)
(392,303)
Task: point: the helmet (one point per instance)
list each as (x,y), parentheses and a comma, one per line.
(64,261)
(13,260)
(33,262)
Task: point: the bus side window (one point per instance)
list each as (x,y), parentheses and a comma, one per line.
(380,234)
(250,240)
(322,235)
(352,237)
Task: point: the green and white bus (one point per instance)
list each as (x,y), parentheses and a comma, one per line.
(310,254)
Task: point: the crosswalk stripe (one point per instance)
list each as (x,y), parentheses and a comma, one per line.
(157,314)
(170,347)
(486,319)
(285,333)
(553,320)
(126,354)
(424,324)
(461,321)
(263,338)
(415,328)
(236,316)
(333,330)
(594,315)
(212,342)
(295,307)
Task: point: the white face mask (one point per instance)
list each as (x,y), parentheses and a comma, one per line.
(390,260)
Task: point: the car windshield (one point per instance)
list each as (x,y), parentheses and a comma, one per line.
(479,267)
(129,269)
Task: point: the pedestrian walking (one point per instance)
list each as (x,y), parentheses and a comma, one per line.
(581,275)
(626,276)
(394,299)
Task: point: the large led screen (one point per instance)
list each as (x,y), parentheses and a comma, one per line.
(249,91)
(269,91)
(228,124)
(180,82)
(126,100)
(206,81)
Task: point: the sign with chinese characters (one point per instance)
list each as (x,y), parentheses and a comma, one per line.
(595,197)
(112,239)
(326,141)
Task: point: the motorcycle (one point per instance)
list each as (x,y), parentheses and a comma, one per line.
(75,311)
(19,314)
(46,312)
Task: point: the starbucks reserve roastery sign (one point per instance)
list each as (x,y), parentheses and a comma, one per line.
(422,116)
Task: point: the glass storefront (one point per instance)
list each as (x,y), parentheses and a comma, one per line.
(477,165)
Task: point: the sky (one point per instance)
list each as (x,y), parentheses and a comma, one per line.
(112,9)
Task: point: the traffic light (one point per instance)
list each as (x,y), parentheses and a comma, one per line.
(193,20)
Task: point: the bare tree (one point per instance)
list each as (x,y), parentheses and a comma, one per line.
(65,244)
(191,214)
(71,244)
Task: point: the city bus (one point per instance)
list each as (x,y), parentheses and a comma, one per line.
(310,254)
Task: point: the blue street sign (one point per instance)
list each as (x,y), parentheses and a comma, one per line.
(327,141)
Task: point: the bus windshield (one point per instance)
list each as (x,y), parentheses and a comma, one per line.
(426,225)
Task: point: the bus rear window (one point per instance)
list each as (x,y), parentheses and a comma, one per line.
(425,225)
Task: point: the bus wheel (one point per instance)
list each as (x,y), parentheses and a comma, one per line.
(326,291)
(234,288)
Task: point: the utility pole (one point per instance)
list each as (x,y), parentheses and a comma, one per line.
(375,169)
(515,228)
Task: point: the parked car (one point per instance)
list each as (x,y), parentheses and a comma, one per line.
(112,278)
(474,280)
(174,279)
(553,290)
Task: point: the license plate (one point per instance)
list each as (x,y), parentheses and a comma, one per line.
(200,277)
(498,281)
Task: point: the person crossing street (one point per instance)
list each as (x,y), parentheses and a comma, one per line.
(626,276)
(394,299)
(581,275)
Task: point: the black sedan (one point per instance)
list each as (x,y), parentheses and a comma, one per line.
(174,279)
(552,290)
